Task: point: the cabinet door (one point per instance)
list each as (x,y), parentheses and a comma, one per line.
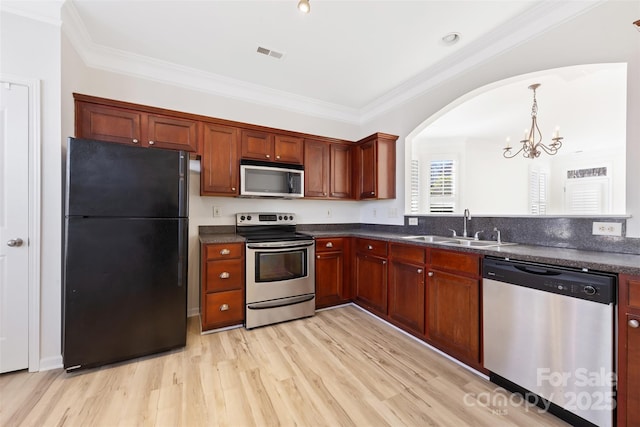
(329,278)
(316,169)
(406,295)
(288,149)
(94,121)
(629,351)
(257,145)
(371,282)
(172,133)
(632,377)
(219,163)
(367,170)
(454,314)
(340,172)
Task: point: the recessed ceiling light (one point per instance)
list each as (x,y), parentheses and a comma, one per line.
(450,39)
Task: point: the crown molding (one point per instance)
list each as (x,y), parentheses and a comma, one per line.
(517,31)
(118,61)
(535,21)
(43,11)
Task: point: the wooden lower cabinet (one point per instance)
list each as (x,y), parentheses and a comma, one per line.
(371,275)
(407,287)
(453,304)
(628,396)
(331,272)
(221,285)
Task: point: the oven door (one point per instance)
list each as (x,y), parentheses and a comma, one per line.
(279,270)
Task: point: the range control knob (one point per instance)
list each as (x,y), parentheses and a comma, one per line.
(249,217)
(280,217)
(242,218)
(589,290)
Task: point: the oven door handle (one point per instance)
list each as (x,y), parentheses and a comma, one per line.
(279,245)
(280,303)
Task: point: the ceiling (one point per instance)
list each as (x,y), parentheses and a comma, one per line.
(346,59)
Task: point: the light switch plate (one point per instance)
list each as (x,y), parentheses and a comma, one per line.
(607,228)
(413,221)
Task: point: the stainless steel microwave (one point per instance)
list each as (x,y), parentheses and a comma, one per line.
(264,179)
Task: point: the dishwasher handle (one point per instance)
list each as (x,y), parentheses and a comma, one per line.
(540,271)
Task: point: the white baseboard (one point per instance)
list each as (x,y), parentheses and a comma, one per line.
(193,312)
(50,363)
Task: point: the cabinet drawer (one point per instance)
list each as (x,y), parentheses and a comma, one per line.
(415,254)
(224,250)
(224,308)
(330,244)
(458,262)
(223,275)
(372,247)
(634,293)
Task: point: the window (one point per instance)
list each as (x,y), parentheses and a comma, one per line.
(415,187)
(442,186)
(537,191)
(587,191)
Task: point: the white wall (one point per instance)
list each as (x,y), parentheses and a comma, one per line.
(31,49)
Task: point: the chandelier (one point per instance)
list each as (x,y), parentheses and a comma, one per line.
(532,145)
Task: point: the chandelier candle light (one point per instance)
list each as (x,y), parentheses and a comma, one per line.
(532,144)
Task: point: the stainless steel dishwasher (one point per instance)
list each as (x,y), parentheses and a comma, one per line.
(549,332)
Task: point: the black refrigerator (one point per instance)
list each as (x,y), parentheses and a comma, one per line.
(125,252)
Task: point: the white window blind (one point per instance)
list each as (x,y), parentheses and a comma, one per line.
(415,187)
(586,196)
(537,192)
(442,186)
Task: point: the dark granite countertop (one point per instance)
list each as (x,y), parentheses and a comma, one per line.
(592,260)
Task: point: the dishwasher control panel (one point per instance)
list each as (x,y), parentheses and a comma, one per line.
(592,286)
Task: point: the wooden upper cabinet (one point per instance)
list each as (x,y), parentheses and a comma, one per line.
(288,149)
(172,133)
(115,121)
(258,145)
(219,174)
(316,168)
(340,172)
(327,170)
(106,123)
(375,167)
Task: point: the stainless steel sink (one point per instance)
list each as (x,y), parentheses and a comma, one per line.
(458,241)
(430,239)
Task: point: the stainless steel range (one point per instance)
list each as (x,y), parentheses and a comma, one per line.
(280,268)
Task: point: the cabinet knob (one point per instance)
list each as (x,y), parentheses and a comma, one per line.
(369,247)
(419,270)
(372,193)
(225,251)
(324,194)
(233,188)
(277,157)
(224,307)
(224,275)
(384,262)
(318,256)
(151,142)
(633,323)
(135,141)
(267,156)
(430,274)
(328,245)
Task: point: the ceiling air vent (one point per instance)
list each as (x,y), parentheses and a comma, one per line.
(269,52)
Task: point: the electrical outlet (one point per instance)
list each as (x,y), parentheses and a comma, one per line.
(413,221)
(328,213)
(607,229)
(217,211)
(393,212)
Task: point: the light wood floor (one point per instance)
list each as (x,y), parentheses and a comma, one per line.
(339,368)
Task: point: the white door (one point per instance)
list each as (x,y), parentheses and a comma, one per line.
(14,227)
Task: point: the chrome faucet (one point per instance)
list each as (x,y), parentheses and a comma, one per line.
(498,238)
(466,217)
